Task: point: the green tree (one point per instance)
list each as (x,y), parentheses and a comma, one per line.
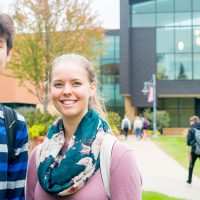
(182,74)
(48,28)
(162,118)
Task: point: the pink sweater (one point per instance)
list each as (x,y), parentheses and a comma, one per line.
(125,183)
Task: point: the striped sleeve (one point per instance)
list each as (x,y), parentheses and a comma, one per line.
(17,166)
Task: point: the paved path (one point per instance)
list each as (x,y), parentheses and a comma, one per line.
(161,173)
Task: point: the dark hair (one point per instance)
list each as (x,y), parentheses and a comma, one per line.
(7,31)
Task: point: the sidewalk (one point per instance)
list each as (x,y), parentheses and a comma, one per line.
(161,173)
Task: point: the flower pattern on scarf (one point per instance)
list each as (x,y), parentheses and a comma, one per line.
(80,161)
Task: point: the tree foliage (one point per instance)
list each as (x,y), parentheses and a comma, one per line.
(48,28)
(162,118)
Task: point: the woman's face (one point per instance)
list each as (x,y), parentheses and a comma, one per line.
(70,89)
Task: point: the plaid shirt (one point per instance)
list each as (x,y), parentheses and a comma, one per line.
(12,174)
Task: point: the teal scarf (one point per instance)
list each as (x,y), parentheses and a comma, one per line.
(65,175)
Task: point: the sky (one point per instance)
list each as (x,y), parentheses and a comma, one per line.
(106,10)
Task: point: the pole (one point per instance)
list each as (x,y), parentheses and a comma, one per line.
(154,105)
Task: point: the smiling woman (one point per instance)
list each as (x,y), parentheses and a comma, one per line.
(69,160)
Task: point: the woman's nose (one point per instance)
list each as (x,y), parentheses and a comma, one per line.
(67,89)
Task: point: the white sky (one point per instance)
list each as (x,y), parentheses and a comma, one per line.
(107,11)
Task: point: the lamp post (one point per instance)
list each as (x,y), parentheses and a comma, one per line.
(145,91)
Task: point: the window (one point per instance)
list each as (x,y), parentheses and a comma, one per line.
(143,20)
(165,5)
(142,6)
(196,64)
(183,66)
(165,40)
(165,19)
(165,66)
(183,39)
(182,5)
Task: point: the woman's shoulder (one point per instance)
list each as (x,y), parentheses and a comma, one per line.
(121,151)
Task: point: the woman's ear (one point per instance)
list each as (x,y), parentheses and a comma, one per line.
(93,88)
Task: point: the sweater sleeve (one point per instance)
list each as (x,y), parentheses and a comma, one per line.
(125,178)
(32,179)
(17,166)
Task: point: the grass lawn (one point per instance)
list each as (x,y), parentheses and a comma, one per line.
(175,146)
(156,196)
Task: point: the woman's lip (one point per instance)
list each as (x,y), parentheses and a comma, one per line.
(68,102)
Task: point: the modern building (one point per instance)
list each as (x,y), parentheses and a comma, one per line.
(161,37)
(109,72)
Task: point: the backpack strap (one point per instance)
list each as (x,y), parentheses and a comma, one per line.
(10,118)
(105,158)
(37,156)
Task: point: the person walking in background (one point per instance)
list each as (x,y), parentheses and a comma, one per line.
(67,164)
(126,126)
(192,146)
(138,125)
(12,170)
(145,127)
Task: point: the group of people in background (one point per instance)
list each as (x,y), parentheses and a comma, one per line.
(139,126)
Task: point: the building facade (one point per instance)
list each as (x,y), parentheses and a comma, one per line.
(109,72)
(161,37)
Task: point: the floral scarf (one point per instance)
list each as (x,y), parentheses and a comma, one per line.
(65,175)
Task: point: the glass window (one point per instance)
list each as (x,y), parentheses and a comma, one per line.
(119,99)
(174,117)
(165,66)
(183,19)
(186,103)
(109,67)
(108,47)
(108,92)
(196,39)
(143,6)
(196,18)
(165,19)
(196,5)
(165,40)
(182,5)
(196,66)
(183,41)
(185,114)
(143,20)
(183,63)
(117,46)
(171,103)
(165,5)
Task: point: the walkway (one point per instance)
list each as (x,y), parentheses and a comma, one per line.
(161,173)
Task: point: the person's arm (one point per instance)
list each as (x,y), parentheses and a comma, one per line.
(188,147)
(125,177)
(17,166)
(31,179)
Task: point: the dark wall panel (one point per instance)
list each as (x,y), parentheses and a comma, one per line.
(124,47)
(143,63)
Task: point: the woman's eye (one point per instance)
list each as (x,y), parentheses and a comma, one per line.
(58,85)
(76,84)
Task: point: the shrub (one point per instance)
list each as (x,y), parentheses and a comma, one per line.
(162,118)
(36,131)
(114,120)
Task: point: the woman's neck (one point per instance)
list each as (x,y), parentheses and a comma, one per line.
(70,126)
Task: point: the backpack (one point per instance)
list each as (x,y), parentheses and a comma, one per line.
(105,159)
(10,118)
(197,142)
